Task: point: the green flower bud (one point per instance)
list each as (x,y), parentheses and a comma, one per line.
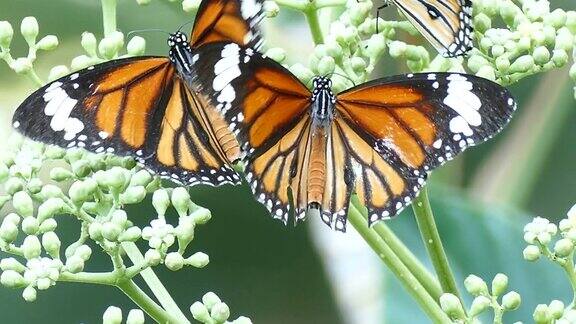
(160,201)
(522,64)
(43,283)
(303,73)
(560,58)
(451,305)
(141,178)
(152,257)
(220,312)
(190,5)
(50,208)
(8,231)
(29,294)
(185,229)
(531,253)
(74,154)
(60,174)
(83,252)
(541,55)
(375,46)
(74,264)
(358,64)
(133,195)
(556,309)
(487,72)
(482,22)
(563,247)
(4,172)
(200,312)
(112,315)
(108,47)
(475,285)
(56,73)
(143,2)
(48,43)
(542,315)
(51,244)
(114,178)
(30,225)
(22,65)
(88,42)
(210,299)
(111,231)
(136,46)
(80,192)
(181,200)
(95,231)
(397,49)
(48,225)
(34,185)
(326,65)
(499,284)
(12,279)
(135,316)
(201,215)
(31,247)
(81,168)
(508,12)
(511,301)
(6,33)
(23,204)
(524,44)
(80,62)
(12,264)
(271,9)
(29,29)
(276,53)
(174,261)
(12,218)
(13,185)
(131,234)
(242,320)
(479,305)
(476,62)
(198,260)
(55,152)
(564,40)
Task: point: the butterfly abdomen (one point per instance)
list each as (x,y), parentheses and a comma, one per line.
(317,167)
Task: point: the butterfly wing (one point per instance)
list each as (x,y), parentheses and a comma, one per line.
(132,107)
(398,129)
(447,24)
(228,20)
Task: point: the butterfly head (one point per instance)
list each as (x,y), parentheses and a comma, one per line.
(177,39)
(323,99)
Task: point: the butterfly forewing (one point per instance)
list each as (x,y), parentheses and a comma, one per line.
(447,24)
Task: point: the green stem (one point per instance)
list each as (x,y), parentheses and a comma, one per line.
(314,24)
(433,243)
(104,278)
(109,16)
(154,283)
(569,269)
(402,273)
(145,303)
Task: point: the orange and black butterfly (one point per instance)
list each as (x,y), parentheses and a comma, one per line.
(145,106)
(312,149)
(447,24)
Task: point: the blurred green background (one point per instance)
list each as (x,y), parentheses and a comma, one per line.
(274,274)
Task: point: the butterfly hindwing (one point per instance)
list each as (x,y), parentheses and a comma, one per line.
(413,124)
(447,24)
(127,107)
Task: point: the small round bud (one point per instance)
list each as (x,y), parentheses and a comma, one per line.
(200,312)
(80,62)
(242,320)
(160,201)
(564,40)
(50,208)
(6,34)
(487,72)
(475,285)
(56,73)
(563,247)
(541,55)
(201,215)
(479,305)
(397,49)
(220,312)
(81,168)
(48,225)
(133,195)
(29,29)
(23,204)
(271,9)
(12,279)
(8,231)
(198,260)
(190,5)
(174,261)
(531,253)
(136,46)
(108,47)
(452,306)
(358,65)
(326,65)
(135,316)
(276,53)
(522,64)
(143,2)
(80,192)
(22,65)
(12,264)
(141,178)
(88,42)
(542,315)
(556,309)
(83,252)
(30,225)
(476,62)
(131,234)
(152,257)
(60,174)
(511,301)
(48,43)
(181,200)
(111,231)
(112,315)
(31,247)
(499,284)
(210,299)
(559,57)
(13,185)
(74,264)
(29,294)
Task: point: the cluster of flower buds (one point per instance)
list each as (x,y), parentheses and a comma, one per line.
(213,311)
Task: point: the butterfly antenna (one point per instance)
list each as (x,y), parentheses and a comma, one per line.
(145,31)
(185,24)
(342,75)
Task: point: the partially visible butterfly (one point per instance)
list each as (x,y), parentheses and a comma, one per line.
(447,24)
(313,149)
(145,106)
